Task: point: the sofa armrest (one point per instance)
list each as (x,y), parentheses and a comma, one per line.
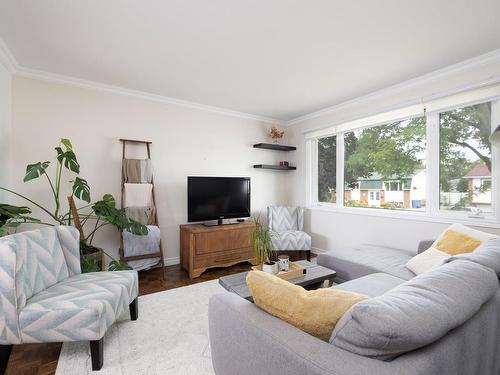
(424,245)
(246,340)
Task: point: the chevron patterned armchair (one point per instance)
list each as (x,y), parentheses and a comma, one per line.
(44,297)
(287,223)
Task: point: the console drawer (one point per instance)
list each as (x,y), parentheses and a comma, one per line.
(223,240)
(224,257)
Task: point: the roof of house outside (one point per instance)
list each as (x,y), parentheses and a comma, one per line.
(479,170)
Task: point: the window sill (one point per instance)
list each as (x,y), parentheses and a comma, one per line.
(487,222)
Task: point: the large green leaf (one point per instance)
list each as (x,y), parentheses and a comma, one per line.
(89,264)
(68,159)
(109,200)
(118,265)
(67,143)
(106,210)
(136,228)
(81,189)
(35,170)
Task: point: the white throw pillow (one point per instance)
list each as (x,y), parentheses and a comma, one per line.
(426,261)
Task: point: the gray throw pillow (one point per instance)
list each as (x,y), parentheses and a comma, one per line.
(487,254)
(416,313)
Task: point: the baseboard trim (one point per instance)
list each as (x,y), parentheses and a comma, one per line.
(317,250)
(172,261)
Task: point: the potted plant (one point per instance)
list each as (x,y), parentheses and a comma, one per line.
(263,246)
(95,215)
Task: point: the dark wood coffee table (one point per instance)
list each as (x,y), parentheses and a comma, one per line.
(314,278)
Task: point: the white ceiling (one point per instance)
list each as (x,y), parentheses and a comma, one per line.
(273,58)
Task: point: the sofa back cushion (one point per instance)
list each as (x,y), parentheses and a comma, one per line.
(40,261)
(416,313)
(488,254)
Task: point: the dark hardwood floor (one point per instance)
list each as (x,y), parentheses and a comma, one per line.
(41,359)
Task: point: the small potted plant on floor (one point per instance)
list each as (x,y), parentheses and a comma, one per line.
(263,246)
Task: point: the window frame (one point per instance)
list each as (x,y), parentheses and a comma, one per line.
(432,210)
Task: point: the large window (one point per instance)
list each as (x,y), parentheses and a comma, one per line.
(384,166)
(327,167)
(465,159)
(438,164)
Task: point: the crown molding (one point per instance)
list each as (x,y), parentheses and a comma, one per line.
(475,62)
(8,59)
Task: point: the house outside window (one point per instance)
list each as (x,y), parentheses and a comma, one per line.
(439,164)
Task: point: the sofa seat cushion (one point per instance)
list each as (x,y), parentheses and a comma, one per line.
(362,260)
(373,285)
(81,307)
(417,312)
(291,240)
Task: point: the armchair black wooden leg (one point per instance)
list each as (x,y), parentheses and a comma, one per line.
(134,310)
(4,357)
(96,354)
(308,255)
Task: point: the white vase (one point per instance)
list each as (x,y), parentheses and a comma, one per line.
(270,268)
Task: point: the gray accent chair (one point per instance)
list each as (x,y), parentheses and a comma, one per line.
(246,340)
(44,297)
(287,224)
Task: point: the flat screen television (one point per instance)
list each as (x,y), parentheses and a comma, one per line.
(218,198)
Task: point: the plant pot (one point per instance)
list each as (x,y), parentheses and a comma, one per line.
(271,267)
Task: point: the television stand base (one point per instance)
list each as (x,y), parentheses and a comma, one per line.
(219,222)
(205,247)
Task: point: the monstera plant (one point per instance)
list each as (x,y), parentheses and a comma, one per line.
(93,215)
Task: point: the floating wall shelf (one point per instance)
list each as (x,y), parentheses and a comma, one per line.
(274,146)
(279,167)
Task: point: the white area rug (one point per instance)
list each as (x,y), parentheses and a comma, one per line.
(170,337)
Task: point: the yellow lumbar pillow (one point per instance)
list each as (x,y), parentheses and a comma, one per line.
(459,239)
(315,312)
(454,243)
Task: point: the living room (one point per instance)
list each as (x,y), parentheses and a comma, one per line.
(354,148)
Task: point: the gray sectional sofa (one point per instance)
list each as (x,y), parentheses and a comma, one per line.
(446,321)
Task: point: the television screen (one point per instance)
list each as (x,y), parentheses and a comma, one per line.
(217,198)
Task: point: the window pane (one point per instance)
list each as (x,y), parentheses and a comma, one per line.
(327,168)
(465,159)
(385,166)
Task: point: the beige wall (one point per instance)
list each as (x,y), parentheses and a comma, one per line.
(5,128)
(185,142)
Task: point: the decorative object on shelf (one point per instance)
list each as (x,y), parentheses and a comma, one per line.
(100,213)
(276,134)
(284,164)
(263,246)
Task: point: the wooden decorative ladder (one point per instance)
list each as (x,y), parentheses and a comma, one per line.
(145,256)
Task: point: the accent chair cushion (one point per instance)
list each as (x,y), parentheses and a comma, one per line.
(315,312)
(40,261)
(416,313)
(291,240)
(283,218)
(82,307)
